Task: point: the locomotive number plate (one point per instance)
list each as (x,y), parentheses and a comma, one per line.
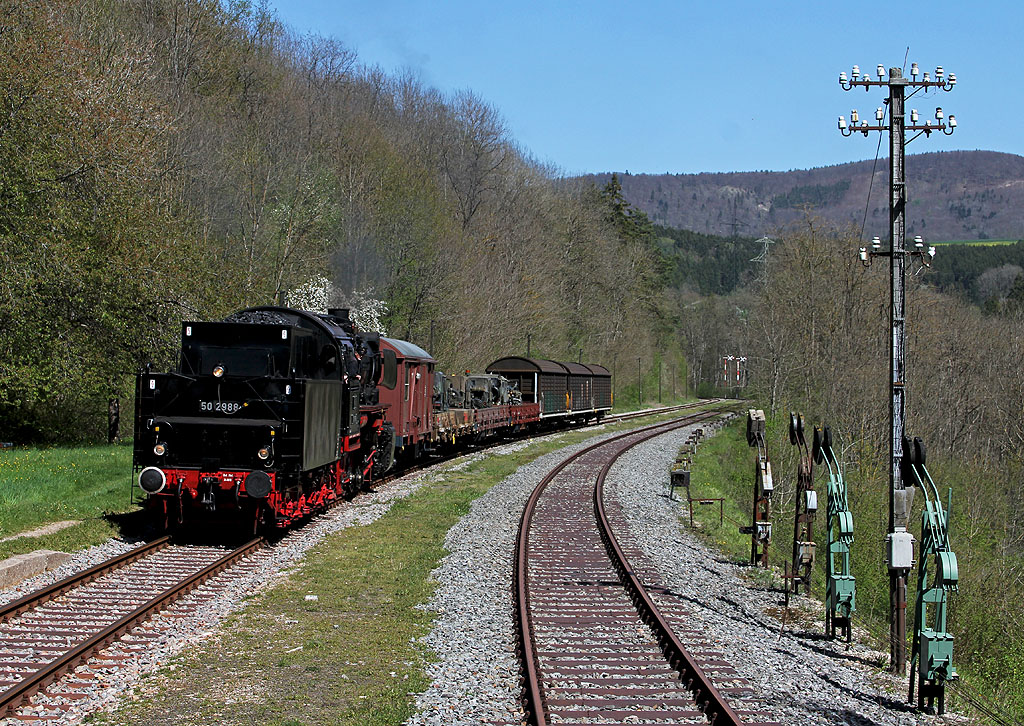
(220,406)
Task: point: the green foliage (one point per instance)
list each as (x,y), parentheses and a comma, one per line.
(629,222)
(177,160)
(956,268)
(816,337)
(706,263)
(811,195)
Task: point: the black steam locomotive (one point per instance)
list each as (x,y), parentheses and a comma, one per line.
(272,413)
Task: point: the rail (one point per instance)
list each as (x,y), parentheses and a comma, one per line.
(707,696)
(16,695)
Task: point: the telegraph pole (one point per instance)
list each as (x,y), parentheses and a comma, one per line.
(899,542)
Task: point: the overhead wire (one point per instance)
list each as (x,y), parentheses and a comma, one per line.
(871,183)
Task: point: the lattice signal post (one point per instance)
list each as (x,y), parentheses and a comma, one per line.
(806,509)
(900,544)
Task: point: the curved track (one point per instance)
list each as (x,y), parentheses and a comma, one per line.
(49,633)
(595,647)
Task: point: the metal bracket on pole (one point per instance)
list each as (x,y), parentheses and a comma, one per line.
(806,509)
(760,529)
(841,589)
(937,576)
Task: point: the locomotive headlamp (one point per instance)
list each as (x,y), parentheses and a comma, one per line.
(152,480)
(160,449)
(218,371)
(264,453)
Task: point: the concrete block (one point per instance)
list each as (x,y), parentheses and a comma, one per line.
(21,567)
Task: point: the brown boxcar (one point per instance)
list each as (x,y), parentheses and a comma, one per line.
(540,381)
(580,383)
(409,403)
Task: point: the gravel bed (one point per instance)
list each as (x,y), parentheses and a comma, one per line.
(476,678)
(804,678)
(79,561)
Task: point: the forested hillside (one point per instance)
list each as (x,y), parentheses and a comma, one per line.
(953,195)
(178,159)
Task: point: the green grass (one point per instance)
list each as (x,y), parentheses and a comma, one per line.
(350,657)
(989,652)
(39,486)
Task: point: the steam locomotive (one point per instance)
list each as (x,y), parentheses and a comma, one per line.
(273,413)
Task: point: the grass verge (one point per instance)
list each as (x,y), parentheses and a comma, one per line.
(989,651)
(39,486)
(350,657)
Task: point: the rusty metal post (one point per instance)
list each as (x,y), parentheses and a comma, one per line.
(760,529)
(806,509)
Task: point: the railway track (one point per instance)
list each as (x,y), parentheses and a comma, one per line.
(49,633)
(600,641)
(629,415)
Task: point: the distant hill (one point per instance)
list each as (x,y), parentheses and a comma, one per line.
(953,195)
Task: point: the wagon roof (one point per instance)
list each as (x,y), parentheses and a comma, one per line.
(518,364)
(405,349)
(578,369)
(598,370)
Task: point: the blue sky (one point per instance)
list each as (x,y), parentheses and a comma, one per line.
(691,86)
